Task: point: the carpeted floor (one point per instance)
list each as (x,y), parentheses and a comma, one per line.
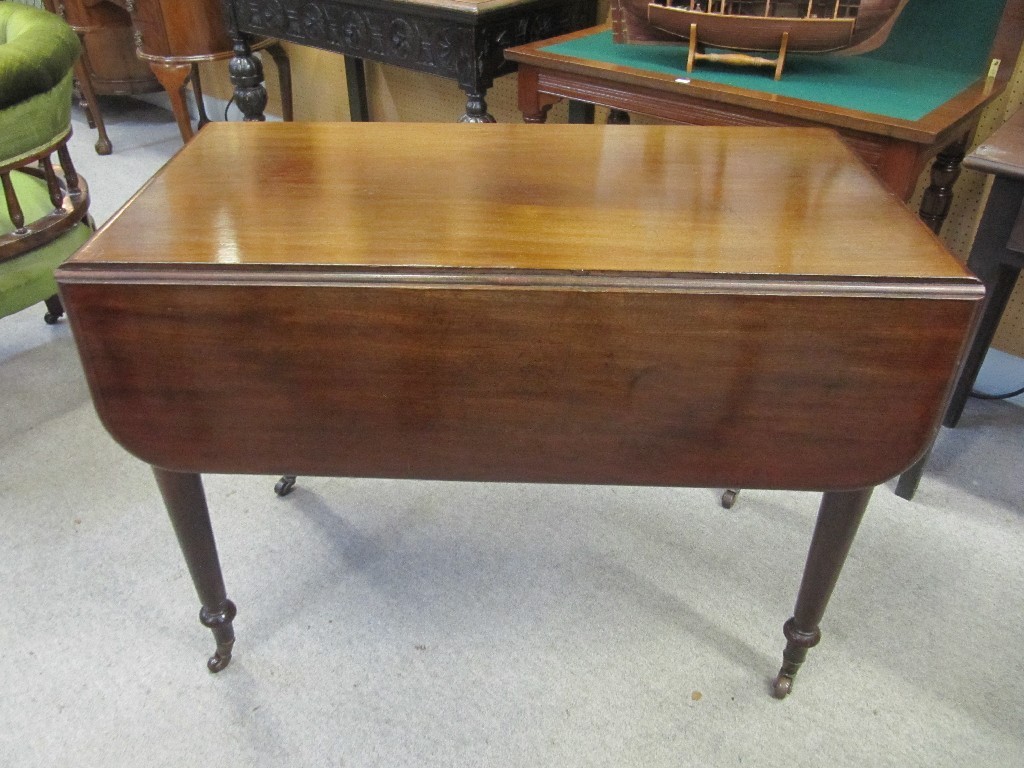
(422,624)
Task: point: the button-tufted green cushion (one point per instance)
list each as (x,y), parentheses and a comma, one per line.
(36,122)
(37,50)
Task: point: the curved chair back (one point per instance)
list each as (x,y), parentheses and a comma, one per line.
(44,207)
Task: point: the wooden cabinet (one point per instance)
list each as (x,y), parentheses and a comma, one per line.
(114,69)
(136,46)
(173,28)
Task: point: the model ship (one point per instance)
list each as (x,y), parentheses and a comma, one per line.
(780,26)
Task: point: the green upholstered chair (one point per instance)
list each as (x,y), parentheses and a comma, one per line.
(45,208)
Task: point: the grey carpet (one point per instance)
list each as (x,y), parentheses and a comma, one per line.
(443,624)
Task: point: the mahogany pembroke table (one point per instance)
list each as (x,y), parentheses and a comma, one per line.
(644,305)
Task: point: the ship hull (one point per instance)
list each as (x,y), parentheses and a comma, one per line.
(754,33)
(640,21)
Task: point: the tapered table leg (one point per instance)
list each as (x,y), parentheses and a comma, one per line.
(186,504)
(838,518)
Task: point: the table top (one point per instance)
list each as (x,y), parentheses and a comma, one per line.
(1002,153)
(566,199)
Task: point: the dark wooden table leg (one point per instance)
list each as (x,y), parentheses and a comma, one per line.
(284,78)
(355,81)
(618,117)
(186,504)
(246,73)
(906,486)
(476,108)
(581,112)
(939,195)
(838,518)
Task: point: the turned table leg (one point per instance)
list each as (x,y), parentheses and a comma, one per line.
(838,518)
(939,195)
(476,107)
(246,73)
(186,504)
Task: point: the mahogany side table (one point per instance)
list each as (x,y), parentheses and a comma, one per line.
(565,304)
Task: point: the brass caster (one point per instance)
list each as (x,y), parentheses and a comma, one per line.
(782,687)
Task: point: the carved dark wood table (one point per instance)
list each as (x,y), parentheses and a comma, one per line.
(462,40)
(571,304)
(587,67)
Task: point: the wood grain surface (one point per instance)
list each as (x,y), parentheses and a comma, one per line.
(661,199)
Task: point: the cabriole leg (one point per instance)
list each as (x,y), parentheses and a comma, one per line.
(838,518)
(186,504)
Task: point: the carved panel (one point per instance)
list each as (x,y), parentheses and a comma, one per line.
(460,46)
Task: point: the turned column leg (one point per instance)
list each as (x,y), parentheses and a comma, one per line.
(186,504)
(838,518)
(939,195)
(246,73)
(476,107)
(172,78)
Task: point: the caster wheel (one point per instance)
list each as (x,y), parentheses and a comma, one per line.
(51,319)
(217,662)
(285,485)
(729,498)
(782,687)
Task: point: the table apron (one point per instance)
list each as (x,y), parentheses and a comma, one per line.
(589,386)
